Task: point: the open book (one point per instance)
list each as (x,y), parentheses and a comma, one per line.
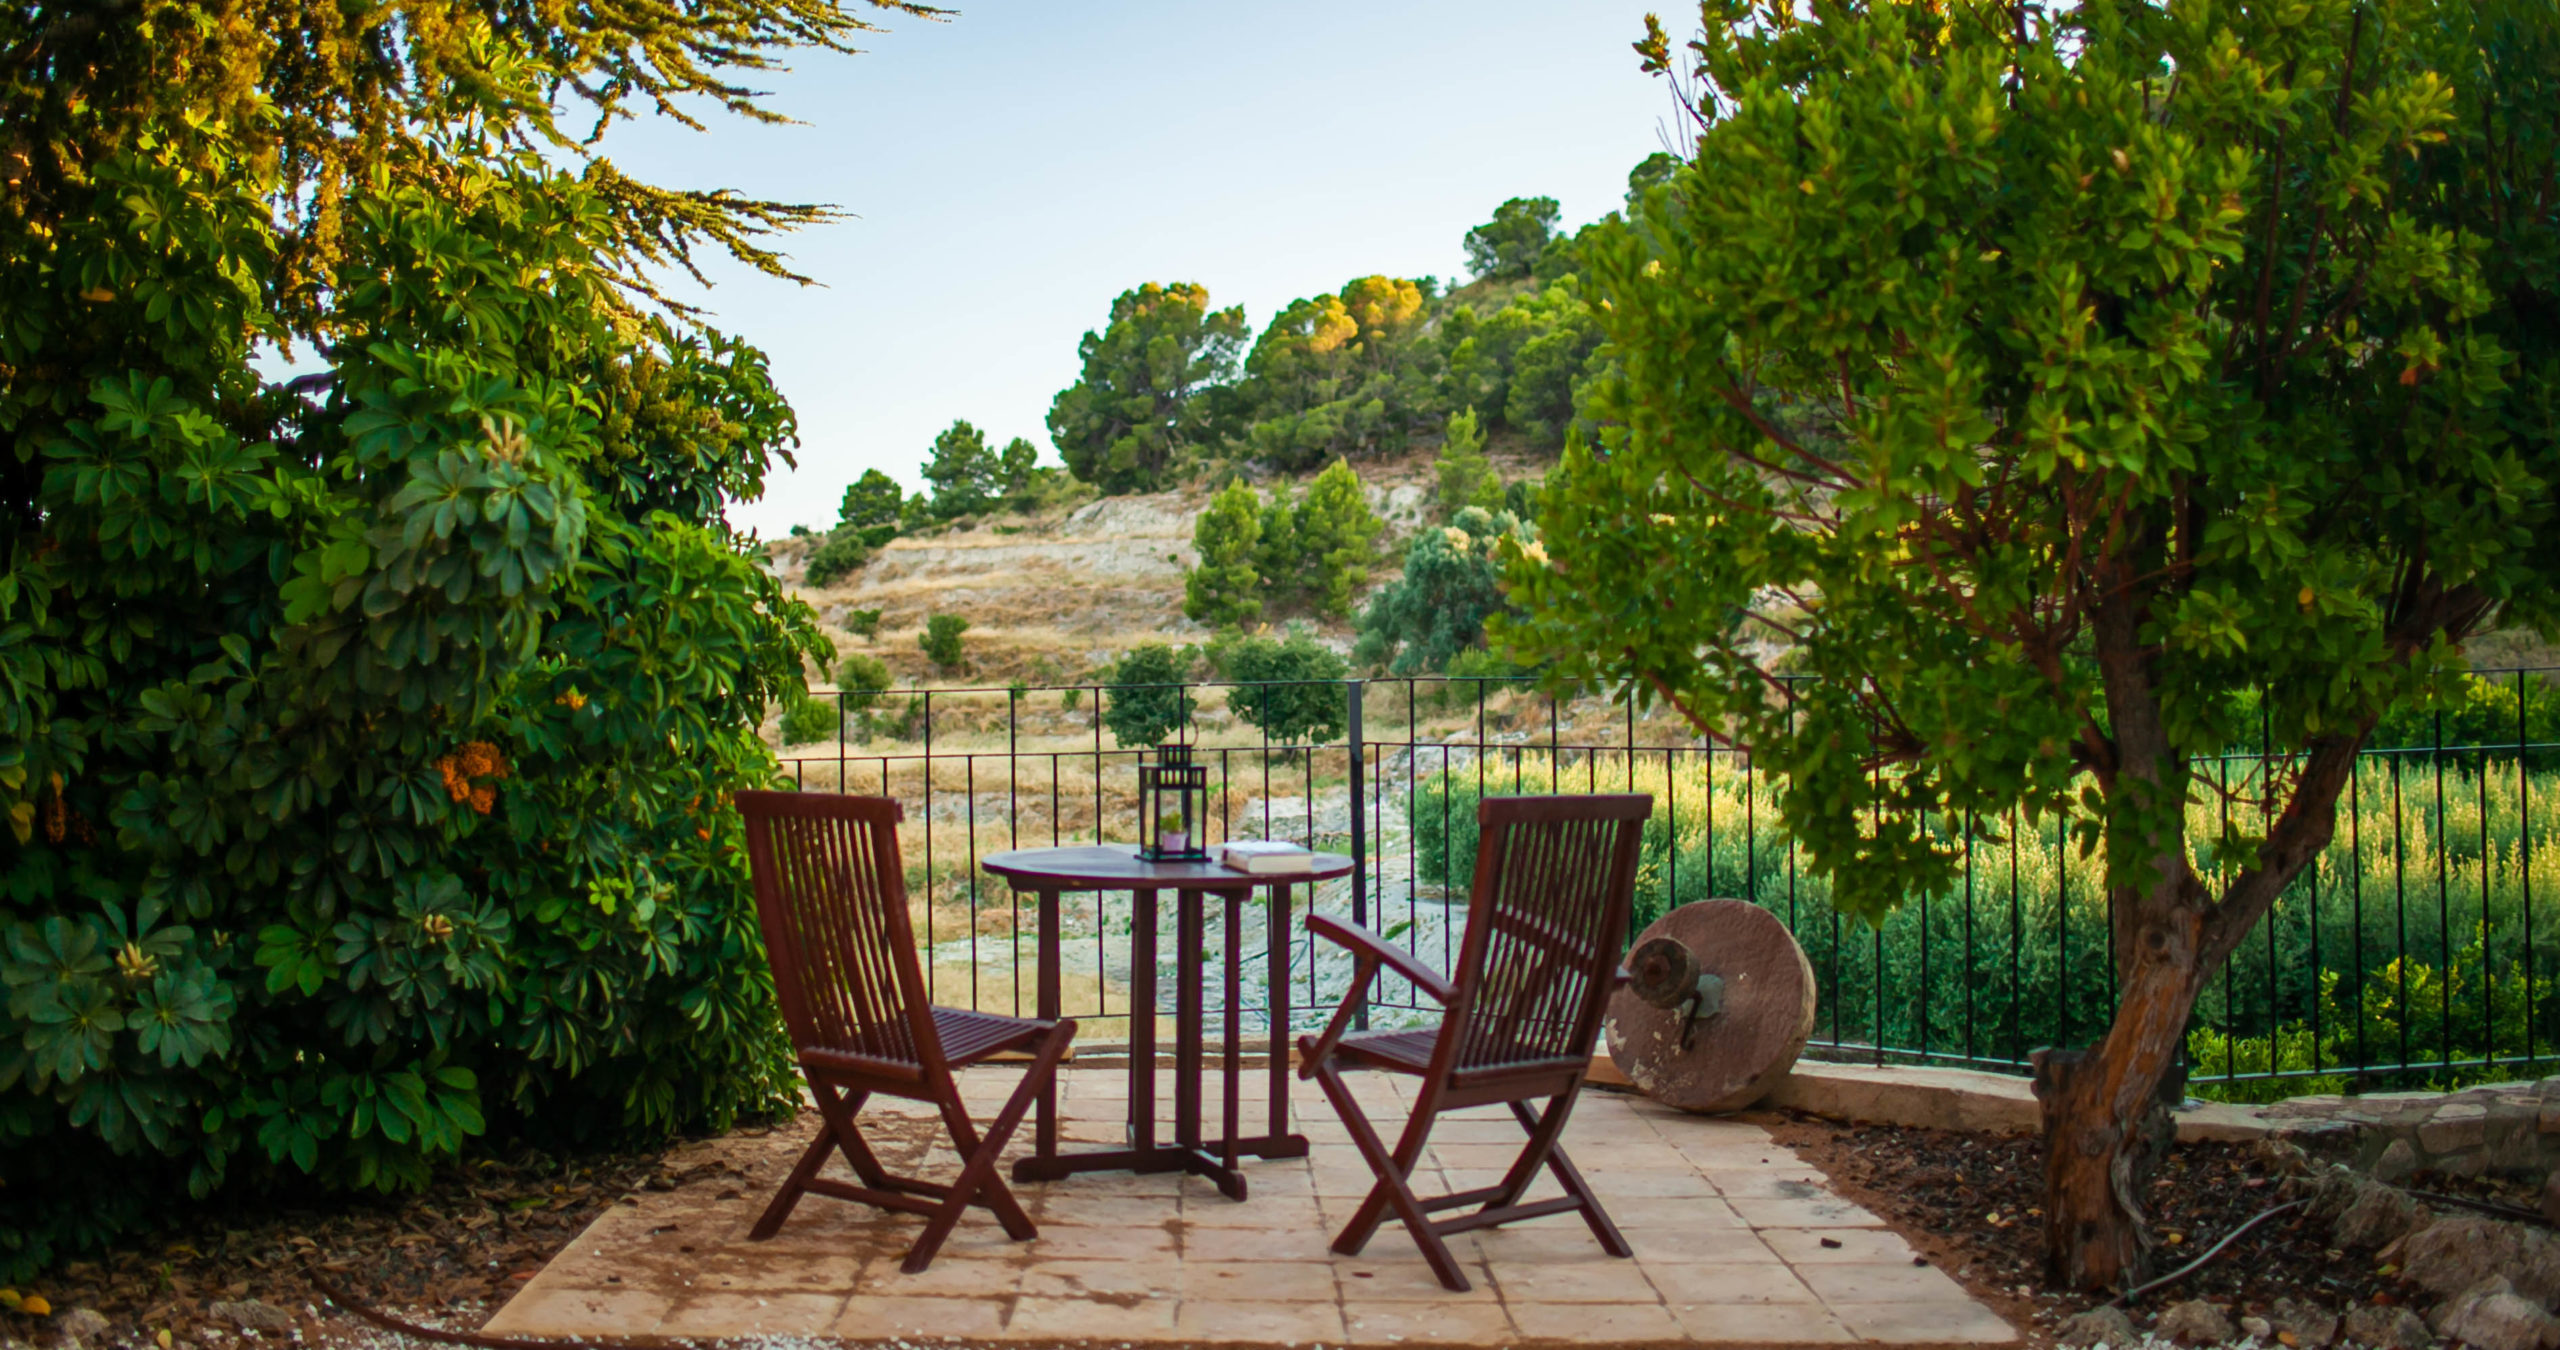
(1264,855)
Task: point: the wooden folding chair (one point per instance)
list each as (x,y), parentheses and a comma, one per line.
(1547,922)
(831,896)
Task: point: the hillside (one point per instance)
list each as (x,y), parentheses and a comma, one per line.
(1053,596)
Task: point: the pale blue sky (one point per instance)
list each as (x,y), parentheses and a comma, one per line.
(1017,166)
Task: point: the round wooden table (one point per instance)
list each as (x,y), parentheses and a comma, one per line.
(1052,872)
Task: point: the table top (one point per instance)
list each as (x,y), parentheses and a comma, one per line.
(1117,867)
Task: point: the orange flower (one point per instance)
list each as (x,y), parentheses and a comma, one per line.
(474,760)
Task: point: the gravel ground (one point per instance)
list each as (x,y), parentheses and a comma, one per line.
(249,1271)
(1972,1203)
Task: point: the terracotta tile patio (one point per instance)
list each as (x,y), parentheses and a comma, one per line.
(1736,1241)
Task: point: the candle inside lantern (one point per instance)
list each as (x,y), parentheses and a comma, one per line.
(1172,806)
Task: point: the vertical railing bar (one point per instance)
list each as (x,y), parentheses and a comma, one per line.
(969,817)
(929,977)
(2355,906)
(2400,908)
(2489,967)
(2017,945)
(2442,835)
(2524,859)
(2230,1018)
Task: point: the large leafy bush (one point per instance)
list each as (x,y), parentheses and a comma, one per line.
(365,744)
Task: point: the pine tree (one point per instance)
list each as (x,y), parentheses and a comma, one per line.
(1466,474)
(962,471)
(1225,590)
(1337,539)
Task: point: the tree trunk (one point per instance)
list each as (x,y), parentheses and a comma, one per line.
(2106,1116)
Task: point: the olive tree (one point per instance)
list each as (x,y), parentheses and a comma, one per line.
(2057,381)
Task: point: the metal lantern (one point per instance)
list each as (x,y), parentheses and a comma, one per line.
(1173,806)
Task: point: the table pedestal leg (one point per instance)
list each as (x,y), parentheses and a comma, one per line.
(1277,937)
(1045,1132)
(1142,1021)
(1188,1150)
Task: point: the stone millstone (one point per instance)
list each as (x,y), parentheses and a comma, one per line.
(1736,1057)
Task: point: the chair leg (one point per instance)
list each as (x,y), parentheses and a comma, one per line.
(979,1171)
(1545,1129)
(1391,1191)
(793,1186)
(836,1131)
(848,1135)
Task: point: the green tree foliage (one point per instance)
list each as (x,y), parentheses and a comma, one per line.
(1466,474)
(1334,540)
(1508,245)
(810,720)
(862,623)
(1291,688)
(1310,552)
(2064,382)
(867,519)
(872,505)
(838,554)
(364,746)
(1452,583)
(940,640)
(1224,589)
(1014,468)
(1146,698)
(966,476)
(1527,360)
(1342,374)
(1136,412)
(864,680)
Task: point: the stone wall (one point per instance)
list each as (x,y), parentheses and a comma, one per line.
(2500,1127)
(2497,1127)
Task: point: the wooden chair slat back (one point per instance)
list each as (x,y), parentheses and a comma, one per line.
(831,897)
(1547,924)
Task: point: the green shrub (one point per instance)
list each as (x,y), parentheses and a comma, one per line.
(1146,701)
(862,623)
(1289,688)
(941,640)
(1452,584)
(865,680)
(366,754)
(839,555)
(810,720)
(1475,675)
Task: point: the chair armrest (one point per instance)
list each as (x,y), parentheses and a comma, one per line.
(1368,952)
(1362,942)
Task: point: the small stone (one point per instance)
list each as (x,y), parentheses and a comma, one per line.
(2380,1328)
(2492,1316)
(2098,1326)
(2312,1326)
(80,1328)
(2372,1213)
(250,1315)
(2194,1322)
(2258,1327)
(2397,1161)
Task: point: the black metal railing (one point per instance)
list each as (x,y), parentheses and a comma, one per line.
(2412,951)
